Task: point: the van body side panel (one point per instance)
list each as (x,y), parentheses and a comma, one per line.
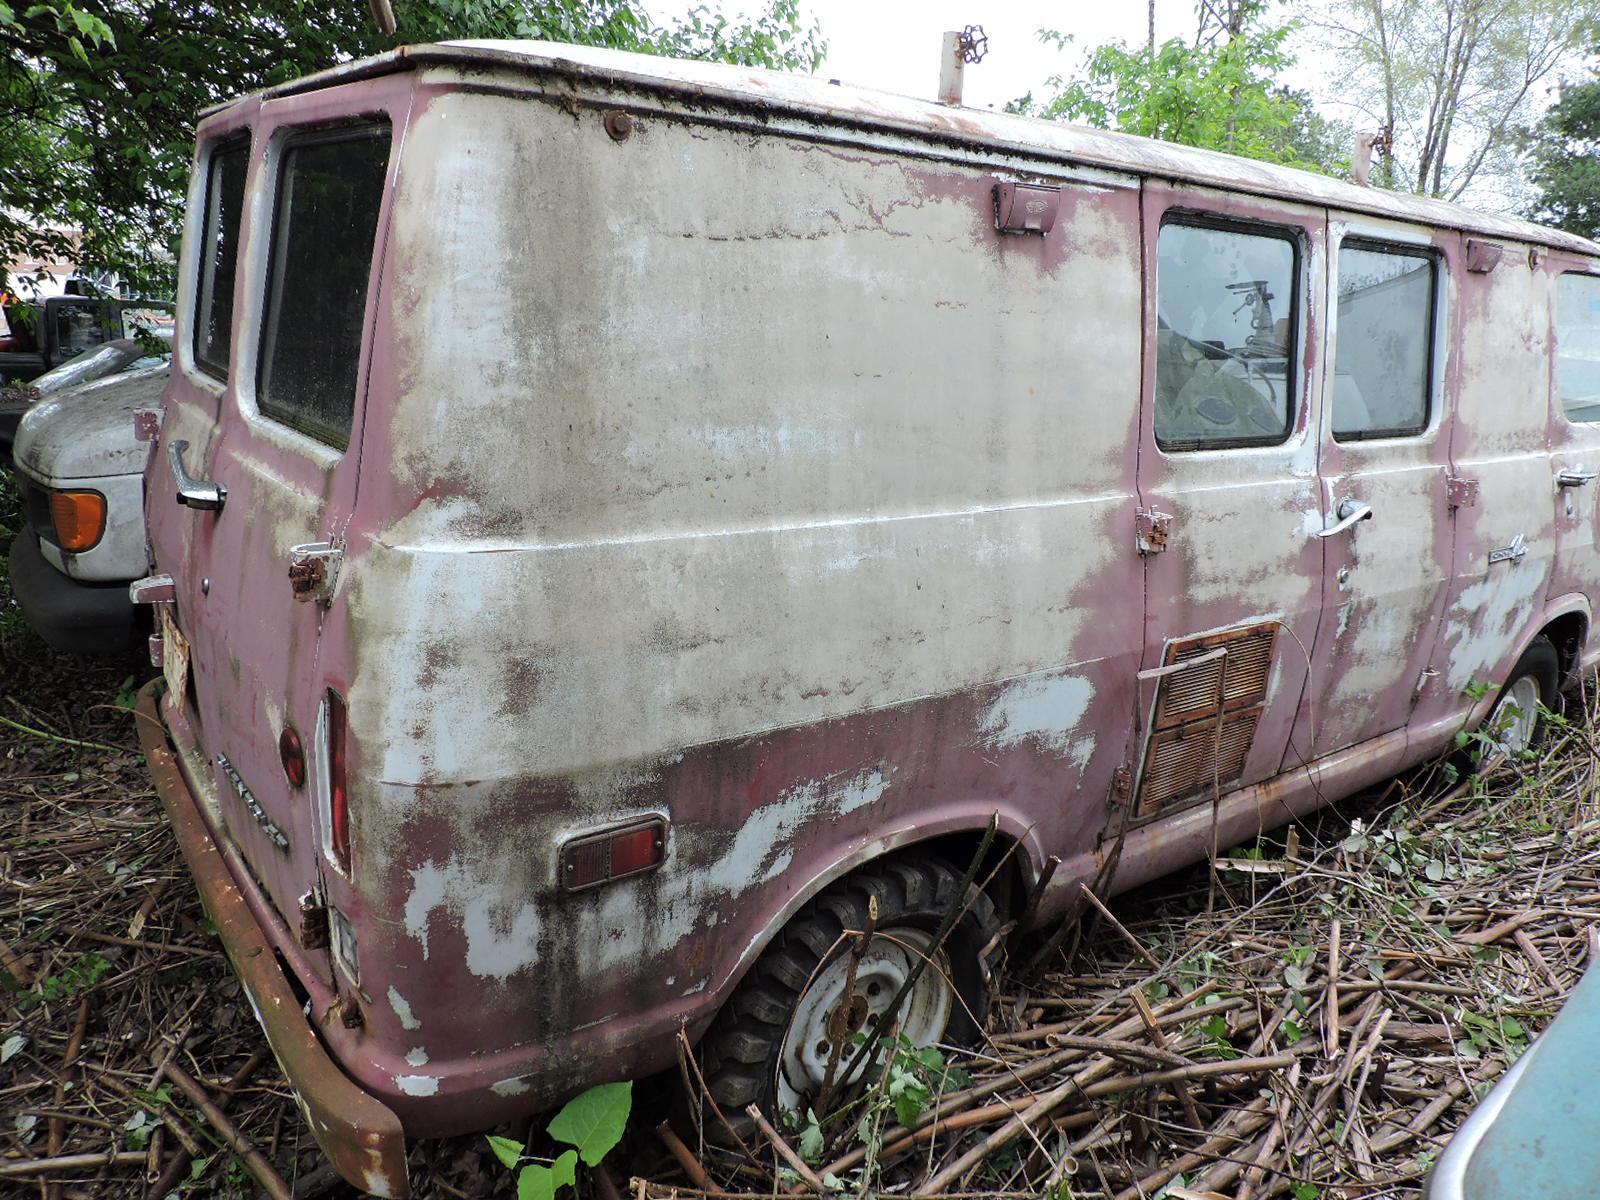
(1386,579)
(1241,556)
(1505,542)
(776,494)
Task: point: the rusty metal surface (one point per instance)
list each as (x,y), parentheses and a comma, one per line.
(361,1137)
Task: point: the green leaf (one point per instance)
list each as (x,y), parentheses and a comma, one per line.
(1292,1032)
(535,1182)
(564,1171)
(811,1139)
(507,1151)
(594,1121)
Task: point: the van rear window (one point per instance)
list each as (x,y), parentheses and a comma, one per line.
(330,188)
(219,252)
(1578,346)
(1225,315)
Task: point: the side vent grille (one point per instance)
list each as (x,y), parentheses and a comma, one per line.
(1205,716)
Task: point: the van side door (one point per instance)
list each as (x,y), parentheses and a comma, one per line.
(1575,434)
(1385,461)
(1500,459)
(1230,503)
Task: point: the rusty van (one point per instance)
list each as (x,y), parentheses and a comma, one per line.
(613,517)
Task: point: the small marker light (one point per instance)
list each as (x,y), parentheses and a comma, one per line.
(293,755)
(598,858)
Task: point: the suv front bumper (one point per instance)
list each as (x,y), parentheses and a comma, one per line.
(74,617)
(360,1135)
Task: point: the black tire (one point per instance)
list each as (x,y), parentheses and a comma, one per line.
(1541,662)
(742,1049)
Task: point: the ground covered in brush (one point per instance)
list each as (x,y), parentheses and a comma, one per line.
(1311,1019)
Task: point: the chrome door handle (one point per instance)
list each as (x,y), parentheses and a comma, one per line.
(1566,479)
(1348,513)
(192,492)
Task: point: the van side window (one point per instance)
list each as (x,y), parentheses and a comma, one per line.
(1225,317)
(219,253)
(1578,345)
(1383,364)
(330,188)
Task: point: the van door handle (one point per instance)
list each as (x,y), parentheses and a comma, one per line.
(1566,479)
(192,492)
(1348,513)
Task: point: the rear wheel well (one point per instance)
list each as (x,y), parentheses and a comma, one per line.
(1567,633)
(1009,886)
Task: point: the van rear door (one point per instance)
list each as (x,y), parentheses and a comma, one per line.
(264,412)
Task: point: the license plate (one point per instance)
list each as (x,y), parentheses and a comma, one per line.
(174,659)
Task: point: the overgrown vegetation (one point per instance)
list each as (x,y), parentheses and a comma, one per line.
(98,97)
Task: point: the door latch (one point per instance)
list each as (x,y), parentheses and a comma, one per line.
(314,571)
(1152,530)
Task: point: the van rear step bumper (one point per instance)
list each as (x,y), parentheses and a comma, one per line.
(360,1135)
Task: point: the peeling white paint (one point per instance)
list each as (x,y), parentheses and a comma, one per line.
(398,1003)
(1044,709)
(515,1086)
(417,1085)
(417,1056)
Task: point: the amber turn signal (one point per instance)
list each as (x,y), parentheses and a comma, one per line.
(79,519)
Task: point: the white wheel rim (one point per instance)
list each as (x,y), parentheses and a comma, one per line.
(1516,715)
(886,965)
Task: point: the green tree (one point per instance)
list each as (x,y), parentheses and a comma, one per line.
(1219,91)
(98,97)
(1451,81)
(1564,162)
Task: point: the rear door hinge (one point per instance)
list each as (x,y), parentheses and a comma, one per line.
(1121,784)
(313,921)
(1461,492)
(314,571)
(1153,528)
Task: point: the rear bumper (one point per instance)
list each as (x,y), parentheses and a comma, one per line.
(78,618)
(360,1135)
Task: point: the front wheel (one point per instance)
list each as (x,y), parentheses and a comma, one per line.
(1531,688)
(791,1015)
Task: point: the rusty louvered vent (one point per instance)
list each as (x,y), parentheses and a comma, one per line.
(1205,715)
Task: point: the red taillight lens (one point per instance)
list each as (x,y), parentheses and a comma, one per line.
(79,519)
(338,791)
(293,755)
(602,857)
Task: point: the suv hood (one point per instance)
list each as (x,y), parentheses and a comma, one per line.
(87,432)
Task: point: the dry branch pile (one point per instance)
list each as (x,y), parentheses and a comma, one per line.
(1320,1014)
(1317,1020)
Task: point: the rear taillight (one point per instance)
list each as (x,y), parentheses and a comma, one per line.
(79,518)
(338,789)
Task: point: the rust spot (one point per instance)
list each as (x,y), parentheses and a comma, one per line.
(618,124)
(307,577)
(313,923)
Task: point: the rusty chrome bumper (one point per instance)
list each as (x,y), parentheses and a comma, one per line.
(361,1136)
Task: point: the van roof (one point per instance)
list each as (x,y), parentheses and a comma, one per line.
(776,92)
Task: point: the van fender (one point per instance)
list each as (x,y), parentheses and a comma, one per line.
(1012,829)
